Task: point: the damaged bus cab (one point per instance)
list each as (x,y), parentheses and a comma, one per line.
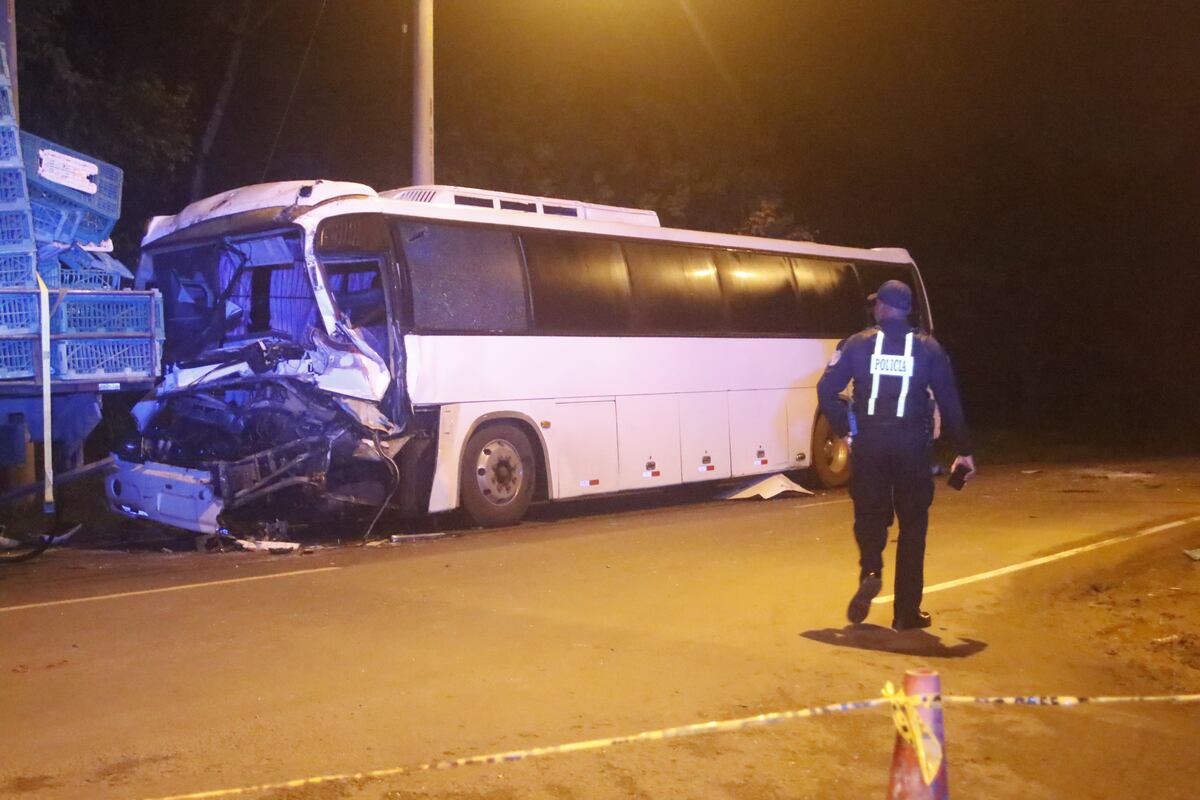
(281,347)
(432,348)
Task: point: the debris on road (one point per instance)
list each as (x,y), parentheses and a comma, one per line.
(272,547)
(1194,555)
(16,550)
(1030,471)
(765,488)
(404,538)
(401,538)
(213,542)
(1112,474)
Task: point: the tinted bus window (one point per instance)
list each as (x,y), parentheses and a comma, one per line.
(758,290)
(464,278)
(830,303)
(872,276)
(579,285)
(675,289)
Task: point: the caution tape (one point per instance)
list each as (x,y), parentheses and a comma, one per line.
(1068,700)
(695,729)
(894,700)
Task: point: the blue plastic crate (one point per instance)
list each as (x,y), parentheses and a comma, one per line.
(75,268)
(56,219)
(10,146)
(52,220)
(18,270)
(18,312)
(105,312)
(98,208)
(16,231)
(84,359)
(18,358)
(12,187)
(64,277)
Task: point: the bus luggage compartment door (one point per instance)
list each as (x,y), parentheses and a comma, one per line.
(758,431)
(648,440)
(586,444)
(704,436)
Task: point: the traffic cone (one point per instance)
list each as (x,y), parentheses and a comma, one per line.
(920,737)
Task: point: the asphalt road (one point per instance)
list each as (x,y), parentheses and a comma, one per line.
(182,673)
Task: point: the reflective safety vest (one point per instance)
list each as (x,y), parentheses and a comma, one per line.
(891,366)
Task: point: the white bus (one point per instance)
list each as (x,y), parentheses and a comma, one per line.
(437,347)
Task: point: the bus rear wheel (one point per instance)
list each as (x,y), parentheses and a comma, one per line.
(497,475)
(831,455)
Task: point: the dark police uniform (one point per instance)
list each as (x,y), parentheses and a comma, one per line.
(893,366)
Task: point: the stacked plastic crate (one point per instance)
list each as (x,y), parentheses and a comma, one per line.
(18,251)
(56,206)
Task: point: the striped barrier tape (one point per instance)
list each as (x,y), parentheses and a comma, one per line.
(894,700)
(1068,700)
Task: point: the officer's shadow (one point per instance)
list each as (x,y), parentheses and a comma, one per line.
(908,643)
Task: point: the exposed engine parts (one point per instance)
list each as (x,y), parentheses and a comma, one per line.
(265,437)
(236,420)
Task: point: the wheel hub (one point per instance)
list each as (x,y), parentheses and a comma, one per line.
(835,453)
(499,471)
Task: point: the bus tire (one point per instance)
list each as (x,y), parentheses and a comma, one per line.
(498,475)
(831,455)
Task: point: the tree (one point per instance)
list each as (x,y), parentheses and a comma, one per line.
(645,148)
(92,100)
(240,25)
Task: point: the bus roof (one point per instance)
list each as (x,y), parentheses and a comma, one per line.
(319,199)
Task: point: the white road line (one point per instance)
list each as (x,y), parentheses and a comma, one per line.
(1074,551)
(163,589)
(824,503)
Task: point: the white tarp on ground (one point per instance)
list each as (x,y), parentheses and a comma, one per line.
(766,488)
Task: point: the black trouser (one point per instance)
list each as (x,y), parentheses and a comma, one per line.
(890,474)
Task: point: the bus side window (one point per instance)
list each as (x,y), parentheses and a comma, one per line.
(830,304)
(464,278)
(675,289)
(357,255)
(758,293)
(579,285)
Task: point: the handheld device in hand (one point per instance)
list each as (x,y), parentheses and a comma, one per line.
(958,478)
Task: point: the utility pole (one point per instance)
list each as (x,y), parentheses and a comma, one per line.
(8,35)
(422,171)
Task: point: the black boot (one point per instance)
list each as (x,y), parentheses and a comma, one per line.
(860,604)
(906,622)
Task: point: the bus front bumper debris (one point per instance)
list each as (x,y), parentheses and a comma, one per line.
(170,495)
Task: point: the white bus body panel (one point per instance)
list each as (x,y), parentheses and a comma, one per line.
(801,411)
(648,440)
(680,400)
(463,369)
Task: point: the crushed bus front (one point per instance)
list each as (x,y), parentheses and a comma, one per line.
(281,398)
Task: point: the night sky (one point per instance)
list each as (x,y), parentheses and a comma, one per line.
(1039,160)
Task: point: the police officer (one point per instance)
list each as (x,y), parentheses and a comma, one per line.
(893,366)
